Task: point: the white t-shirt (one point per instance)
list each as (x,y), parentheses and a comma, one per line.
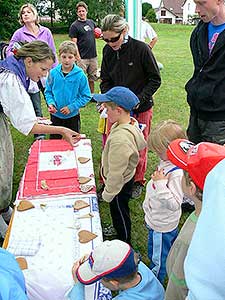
(16,102)
(147,31)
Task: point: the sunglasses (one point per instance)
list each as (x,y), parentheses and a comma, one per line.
(114,39)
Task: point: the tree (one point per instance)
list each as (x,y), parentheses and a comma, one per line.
(9,17)
(145,8)
(151,16)
(97,10)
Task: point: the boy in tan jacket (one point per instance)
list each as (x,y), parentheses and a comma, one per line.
(120,156)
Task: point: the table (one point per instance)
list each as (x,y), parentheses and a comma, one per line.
(50,230)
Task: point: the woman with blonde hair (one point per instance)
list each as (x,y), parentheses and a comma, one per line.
(130,63)
(31,61)
(30,31)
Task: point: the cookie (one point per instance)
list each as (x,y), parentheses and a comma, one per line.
(83,180)
(24,205)
(86,188)
(86,216)
(79,204)
(86,236)
(22,263)
(83,160)
(44,185)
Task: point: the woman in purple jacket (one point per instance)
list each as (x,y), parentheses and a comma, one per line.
(32,31)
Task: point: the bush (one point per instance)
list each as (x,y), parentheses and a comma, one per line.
(151,16)
(57,28)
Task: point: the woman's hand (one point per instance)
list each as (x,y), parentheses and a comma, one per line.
(70,136)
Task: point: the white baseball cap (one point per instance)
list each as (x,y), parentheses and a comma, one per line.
(110,259)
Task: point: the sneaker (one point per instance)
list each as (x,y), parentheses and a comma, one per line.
(137,190)
(99,193)
(109,231)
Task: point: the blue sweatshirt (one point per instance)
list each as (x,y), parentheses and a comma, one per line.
(149,288)
(12,283)
(71,90)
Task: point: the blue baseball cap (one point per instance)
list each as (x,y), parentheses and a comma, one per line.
(120,95)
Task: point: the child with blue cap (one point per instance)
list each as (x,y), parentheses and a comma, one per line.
(120,156)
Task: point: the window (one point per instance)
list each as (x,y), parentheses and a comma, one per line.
(163,13)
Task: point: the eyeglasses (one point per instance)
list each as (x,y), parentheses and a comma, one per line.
(114,39)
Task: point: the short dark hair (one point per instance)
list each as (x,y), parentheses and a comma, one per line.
(83,4)
(131,276)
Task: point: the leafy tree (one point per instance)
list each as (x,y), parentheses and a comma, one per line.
(151,16)
(9,17)
(97,10)
(145,8)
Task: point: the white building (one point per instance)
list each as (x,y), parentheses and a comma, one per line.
(188,11)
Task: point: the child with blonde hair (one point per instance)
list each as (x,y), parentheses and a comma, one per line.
(67,89)
(163,199)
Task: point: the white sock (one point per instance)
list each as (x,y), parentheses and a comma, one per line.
(3,227)
(7,215)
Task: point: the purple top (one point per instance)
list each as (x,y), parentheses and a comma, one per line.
(23,35)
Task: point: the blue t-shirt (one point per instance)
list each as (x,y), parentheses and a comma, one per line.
(213,33)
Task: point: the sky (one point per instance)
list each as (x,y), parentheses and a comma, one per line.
(154,3)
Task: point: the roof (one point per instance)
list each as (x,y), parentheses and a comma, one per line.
(175,6)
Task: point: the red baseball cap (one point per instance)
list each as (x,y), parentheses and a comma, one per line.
(198,160)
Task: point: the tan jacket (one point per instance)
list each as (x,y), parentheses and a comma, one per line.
(120,157)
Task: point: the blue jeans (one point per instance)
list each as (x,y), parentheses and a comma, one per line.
(36,101)
(159,245)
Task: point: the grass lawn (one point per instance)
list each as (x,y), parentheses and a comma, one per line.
(172,50)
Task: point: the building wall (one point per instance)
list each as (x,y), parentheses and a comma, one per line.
(188,10)
(168,18)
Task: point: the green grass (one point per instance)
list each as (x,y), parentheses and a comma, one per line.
(172,50)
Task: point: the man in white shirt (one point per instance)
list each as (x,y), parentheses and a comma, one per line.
(147,32)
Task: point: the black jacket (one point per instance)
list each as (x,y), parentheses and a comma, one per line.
(206,88)
(132,66)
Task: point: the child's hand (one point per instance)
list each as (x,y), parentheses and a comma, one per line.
(76,266)
(100,107)
(52,109)
(159,175)
(65,110)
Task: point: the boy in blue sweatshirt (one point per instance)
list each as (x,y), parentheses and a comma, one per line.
(67,90)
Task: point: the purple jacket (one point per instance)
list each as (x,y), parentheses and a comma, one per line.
(17,67)
(23,35)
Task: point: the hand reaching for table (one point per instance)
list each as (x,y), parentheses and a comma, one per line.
(76,266)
